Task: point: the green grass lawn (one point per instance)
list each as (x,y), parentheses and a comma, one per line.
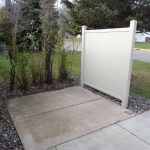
(140,83)
(142,45)
(4,67)
(73,64)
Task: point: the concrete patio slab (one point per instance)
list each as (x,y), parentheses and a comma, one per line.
(139,126)
(110,138)
(49,101)
(62,121)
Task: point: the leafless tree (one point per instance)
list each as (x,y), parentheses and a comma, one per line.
(10,29)
(49,27)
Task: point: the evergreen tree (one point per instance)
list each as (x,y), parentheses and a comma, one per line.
(98,13)
(29,35)
(107,14)
(141,13)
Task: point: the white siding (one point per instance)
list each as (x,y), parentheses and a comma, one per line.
(106,60)
(141,37)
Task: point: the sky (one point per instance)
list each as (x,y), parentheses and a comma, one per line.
(2,2)
(59,3)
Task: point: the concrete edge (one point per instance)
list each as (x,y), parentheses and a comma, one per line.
(146,50)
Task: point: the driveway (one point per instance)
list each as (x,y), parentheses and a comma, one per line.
(70,119)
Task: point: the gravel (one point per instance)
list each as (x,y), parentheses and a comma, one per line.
(9,139)
(137,103)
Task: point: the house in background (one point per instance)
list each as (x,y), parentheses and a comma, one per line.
(142,37)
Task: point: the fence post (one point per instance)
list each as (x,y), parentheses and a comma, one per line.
(133,26)
(82,55)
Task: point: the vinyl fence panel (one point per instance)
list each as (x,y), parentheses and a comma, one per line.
(107,60)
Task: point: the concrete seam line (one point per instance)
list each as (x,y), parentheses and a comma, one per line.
(133,134)
(94,131)
(146,50)
(55,148)
(60,108)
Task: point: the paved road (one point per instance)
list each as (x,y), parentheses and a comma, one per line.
(142,55)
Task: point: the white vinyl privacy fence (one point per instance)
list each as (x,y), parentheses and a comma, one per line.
(107,60)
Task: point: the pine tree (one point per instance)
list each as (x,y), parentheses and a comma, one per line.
(107,14)
(141,13)
(97,13)
(29,35)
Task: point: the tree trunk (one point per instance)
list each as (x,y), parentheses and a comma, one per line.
(12,56)
(48,69)
(12,77)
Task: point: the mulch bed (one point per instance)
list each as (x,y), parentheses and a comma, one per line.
(9,139)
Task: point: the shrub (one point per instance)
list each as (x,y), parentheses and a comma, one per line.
(37,69)
(22,70)
(62,62)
